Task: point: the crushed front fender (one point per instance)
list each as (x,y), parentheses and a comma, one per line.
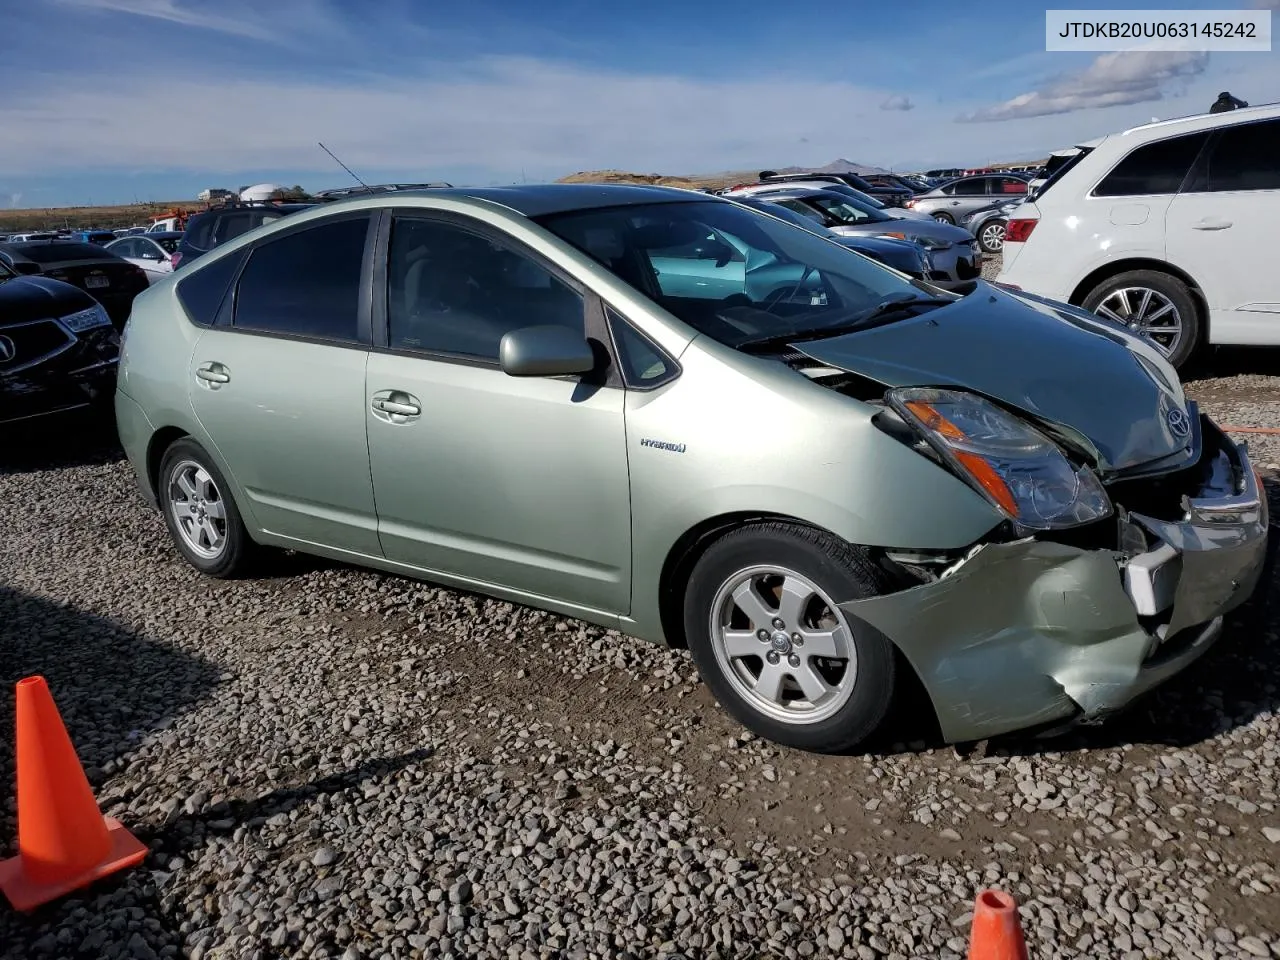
(1036,633)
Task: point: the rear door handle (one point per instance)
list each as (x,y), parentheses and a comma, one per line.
(1211,223)
(395,406)
(213,373)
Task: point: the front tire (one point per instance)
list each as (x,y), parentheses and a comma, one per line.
(202,518)
(770,642)
(1154,303)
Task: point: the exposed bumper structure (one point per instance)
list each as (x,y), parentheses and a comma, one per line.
(1034,633)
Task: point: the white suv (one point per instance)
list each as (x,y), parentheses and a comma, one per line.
(1168,228)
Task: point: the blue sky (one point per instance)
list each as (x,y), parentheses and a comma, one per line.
(109,101)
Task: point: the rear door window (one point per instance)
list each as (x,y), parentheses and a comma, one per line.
(1245,157)
(1154,169)
(306,284)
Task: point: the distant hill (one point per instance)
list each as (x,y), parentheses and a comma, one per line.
(713,181)
(835,166)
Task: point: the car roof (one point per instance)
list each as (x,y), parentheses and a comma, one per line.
(1208,121)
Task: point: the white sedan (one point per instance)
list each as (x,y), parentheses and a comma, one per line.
(153,252)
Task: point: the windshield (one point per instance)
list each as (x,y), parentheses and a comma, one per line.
(844,210)
(728,271)
(6,273)
(809,220)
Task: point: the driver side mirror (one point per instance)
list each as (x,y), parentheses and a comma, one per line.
(545,351)
(716,250)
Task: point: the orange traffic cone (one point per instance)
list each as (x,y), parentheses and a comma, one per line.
(64,841)
(996,933)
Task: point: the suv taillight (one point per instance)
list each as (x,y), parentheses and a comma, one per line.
(1017,231)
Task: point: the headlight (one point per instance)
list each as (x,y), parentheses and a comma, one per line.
(929,243)
(1009,462)
(83,320)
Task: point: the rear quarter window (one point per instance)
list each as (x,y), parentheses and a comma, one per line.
(200,232)
(1154,169)
(202,290)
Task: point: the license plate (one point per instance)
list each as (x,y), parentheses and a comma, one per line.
(96,283)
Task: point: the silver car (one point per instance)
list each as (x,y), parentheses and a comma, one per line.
(953,252)
(950,202)
(987,225)
(756,189)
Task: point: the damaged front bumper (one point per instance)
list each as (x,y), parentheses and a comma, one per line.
(1035,633)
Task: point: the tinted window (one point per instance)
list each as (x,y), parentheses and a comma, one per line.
(452,291)
(305,284)
(203,287)
(642,362)
(1157,168)
(232,226)
(968,188)
(1246,157)
(200,231)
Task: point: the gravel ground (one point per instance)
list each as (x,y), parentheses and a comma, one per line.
(328,762)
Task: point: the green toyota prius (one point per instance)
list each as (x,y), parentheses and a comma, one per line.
(669,414)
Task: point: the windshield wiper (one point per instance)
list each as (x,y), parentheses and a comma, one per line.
(859,321)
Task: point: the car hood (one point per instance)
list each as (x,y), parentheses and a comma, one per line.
(1086,381)
(24,299)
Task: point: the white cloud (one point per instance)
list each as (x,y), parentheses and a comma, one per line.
(898,101)
(500,113)
(169,10)
(1113,79)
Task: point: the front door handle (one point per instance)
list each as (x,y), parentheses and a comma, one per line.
(395,406)
(1211,223)
(213,373)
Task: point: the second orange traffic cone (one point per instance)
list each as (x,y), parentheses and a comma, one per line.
(996,932)
(64,841)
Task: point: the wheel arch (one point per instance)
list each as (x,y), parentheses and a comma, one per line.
(160,441)
(1115,267)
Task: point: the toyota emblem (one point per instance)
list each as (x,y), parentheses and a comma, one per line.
(7,350)
(1179,423)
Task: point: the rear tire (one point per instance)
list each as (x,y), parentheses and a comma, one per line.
(943,217)
(830,682)
(202,518)
(1132,287)
(991,236)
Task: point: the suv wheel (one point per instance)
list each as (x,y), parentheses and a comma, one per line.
(771,643)
(200,514)
(1153,303)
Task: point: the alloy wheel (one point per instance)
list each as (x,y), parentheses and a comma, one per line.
(992,237)
(1146,311)
(197,508)
(783,644)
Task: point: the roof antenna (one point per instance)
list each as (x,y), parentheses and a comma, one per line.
(344,167)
